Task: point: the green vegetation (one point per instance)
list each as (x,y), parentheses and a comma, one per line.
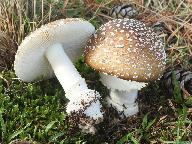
(36,111)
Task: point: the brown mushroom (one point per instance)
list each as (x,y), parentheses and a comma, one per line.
(128,55)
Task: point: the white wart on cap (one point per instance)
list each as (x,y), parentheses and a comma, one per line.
(128,49)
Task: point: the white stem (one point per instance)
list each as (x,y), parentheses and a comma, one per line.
(74,85)
(124,101)
(63,68)
(123,93)
(124,97)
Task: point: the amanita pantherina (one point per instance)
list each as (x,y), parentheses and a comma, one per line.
(128,55)
(51,50)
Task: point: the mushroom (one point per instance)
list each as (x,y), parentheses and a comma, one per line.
(128,55)
(50,50)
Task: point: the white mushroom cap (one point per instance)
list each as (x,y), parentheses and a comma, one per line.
(30,63)
(127,49)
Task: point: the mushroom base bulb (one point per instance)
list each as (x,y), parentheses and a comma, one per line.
(88,124)
(123,94)
(86,102)
(124,102)
(85,106)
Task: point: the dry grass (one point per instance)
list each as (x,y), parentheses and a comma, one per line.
(177,17)
(7,51)
(18,18)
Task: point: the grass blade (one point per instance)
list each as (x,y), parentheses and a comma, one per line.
(15,134)
(49,126)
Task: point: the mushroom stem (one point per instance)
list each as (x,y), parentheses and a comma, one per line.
(123,94)
(124,101)
(127,97)
(64,69)
(82,101)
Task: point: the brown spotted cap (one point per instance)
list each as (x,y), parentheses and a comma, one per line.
(128,49)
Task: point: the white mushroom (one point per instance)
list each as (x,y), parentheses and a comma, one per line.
(128,55)
(51,50)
